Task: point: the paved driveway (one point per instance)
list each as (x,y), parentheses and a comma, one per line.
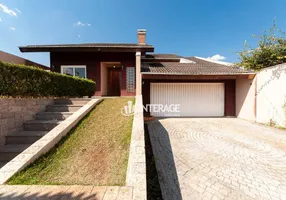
(218,158)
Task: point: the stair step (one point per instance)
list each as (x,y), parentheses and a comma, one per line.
(2,164)
(28,134)
(71,101)
(53,115)
(62,108)
(8,152)
(13,148)
(25,137)
(41,125)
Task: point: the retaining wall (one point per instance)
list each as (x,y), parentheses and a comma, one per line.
(13,112)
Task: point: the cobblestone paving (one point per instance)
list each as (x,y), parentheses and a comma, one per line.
(78,192)
(218,158)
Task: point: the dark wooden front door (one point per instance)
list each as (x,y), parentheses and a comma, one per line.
(114,82)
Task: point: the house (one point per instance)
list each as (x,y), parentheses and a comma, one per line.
(10,58)
(201,87)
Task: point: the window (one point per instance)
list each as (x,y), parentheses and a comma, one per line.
(130,78)
(74,70)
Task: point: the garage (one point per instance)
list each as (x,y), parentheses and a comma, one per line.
(194,99)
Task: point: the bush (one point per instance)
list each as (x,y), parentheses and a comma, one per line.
(271,50)
(25,81)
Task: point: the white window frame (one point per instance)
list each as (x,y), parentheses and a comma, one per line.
(73,66)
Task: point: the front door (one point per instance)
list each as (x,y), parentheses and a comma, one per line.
(114,82)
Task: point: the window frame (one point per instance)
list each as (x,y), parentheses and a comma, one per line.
(74,66)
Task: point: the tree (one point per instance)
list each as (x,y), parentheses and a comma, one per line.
(271,50)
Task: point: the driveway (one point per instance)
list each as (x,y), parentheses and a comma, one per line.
(218,158)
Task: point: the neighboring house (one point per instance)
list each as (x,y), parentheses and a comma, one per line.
(201,87)
(7,57)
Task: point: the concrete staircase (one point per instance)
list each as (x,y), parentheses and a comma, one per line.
(35,129)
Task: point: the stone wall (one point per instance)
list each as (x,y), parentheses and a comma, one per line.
(136,170)
(46,143)
(13,112)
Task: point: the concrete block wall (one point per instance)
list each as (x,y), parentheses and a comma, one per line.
(271,95)
(13,112)
(263,99)
(245,99)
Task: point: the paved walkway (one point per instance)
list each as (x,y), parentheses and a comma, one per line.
(65,192)
(218,158)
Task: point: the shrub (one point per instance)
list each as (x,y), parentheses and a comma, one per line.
(25,81)
(271,50)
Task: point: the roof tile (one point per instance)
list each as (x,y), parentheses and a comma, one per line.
(199,67)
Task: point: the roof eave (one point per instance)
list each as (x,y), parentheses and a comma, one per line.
(173,76)
(86,49)
(186,74)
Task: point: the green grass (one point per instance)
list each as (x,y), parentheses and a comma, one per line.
(95,152)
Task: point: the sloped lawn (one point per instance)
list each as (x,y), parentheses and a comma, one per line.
(93,153)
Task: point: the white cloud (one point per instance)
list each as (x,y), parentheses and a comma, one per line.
(7,10)
(12,28)
(217,57)
(79,23)
(78,36)
(19,11)
(0,20)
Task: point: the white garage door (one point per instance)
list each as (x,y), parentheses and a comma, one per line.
(194,99)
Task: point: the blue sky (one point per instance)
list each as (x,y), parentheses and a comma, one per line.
(187,27)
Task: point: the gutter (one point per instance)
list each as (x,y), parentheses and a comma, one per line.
(84,49)
(181,74)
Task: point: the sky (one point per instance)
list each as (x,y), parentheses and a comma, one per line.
(205,28)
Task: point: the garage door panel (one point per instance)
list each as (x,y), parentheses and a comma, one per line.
(195,99)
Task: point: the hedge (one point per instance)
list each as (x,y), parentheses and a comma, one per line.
(25,81)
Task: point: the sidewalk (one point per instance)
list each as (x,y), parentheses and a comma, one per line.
(41,192)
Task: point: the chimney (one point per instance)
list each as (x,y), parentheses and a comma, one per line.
(141,36)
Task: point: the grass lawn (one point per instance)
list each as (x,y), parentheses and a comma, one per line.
(95,152)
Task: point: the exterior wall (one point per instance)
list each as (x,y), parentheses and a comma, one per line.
(229,91)
(13,112)
(104,79)
(93,61)
(245,99)
(271,95)
(6,57)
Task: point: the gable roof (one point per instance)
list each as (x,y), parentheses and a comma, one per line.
(196,67)
(10,58)
(214,61)
(161,55)
(97,47)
